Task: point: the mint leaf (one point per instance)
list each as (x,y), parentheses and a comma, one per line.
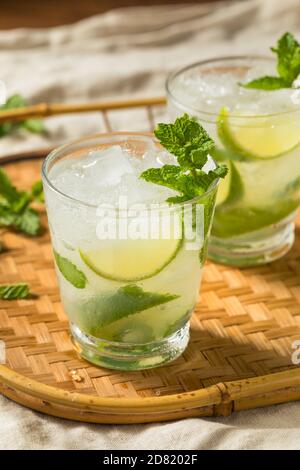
(187,140)
(267,83)
(167,175)
(190,143)
(173,177)
(28,222)
(288,66)
(7,218)
(70,272)
(36,126)
(7,189)
(14,101)
(37,193)
(14,291)
(288,54)
(113,306)
(31,125)
(14,206)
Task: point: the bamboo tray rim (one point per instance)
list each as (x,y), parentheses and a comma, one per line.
(198,398)
(224,395)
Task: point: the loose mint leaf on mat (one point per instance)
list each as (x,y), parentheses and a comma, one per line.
(14,291)
(187,140)
(7,218)
(70,272)
(7,189)
(112,306)
(28,222)
(14,206)
(31,125)
(37,192)
(288,66)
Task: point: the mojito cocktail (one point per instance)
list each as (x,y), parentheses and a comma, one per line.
(257,132)
(128,262)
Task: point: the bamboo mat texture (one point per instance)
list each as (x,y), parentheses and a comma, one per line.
(239,355)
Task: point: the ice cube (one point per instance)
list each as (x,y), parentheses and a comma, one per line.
(101,177)
(106,166)
(207,91)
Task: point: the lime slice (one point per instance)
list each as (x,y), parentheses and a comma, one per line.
(231,188)
(131,260)
(258,137)
(224,188)
(139,255)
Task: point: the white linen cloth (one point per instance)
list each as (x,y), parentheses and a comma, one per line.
(129,52)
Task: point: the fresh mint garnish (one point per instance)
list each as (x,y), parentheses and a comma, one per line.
(70,272)
(288,66)
(187,140)
(14,291)
(112,306)
(15,210)
(32,125)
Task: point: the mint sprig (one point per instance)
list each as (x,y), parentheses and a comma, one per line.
(14,291)
(187,140)
(288,66)
(32,125)
(15,210)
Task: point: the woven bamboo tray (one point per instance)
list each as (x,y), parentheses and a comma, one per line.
(239,356)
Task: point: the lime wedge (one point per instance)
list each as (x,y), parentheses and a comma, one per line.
(224,188)
(258,137)
(231,188)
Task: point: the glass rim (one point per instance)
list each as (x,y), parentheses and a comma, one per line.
(214,60)
(160,206)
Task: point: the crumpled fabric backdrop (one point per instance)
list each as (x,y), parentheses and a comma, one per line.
(129,52)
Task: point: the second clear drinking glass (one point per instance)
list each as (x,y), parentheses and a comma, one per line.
(258,137)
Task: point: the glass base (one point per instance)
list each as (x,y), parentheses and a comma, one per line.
(254,248)
(130,356)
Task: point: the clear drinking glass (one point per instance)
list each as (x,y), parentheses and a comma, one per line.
(128,298)
(258,136)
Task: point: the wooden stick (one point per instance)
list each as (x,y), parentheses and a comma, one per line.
(53,109)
